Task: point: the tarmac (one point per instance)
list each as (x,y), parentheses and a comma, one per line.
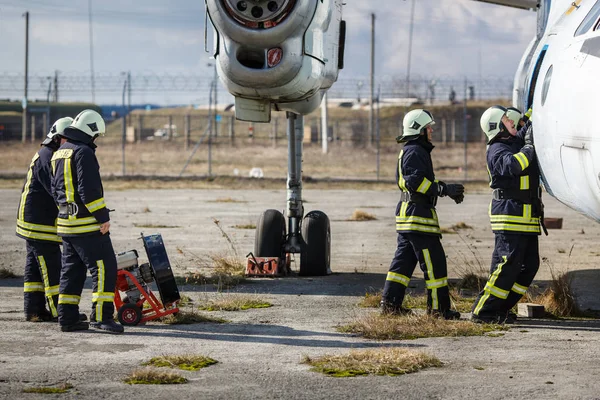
(259,352)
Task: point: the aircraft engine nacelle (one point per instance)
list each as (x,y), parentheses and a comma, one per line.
(280,53)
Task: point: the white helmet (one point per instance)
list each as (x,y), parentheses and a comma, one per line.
(413,124)
(514,114)
(90,123)
(491,121)
(58,128)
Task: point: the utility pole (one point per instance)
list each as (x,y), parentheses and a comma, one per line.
(216,79)
(371,119)
(92,52)
(56,86)
(410,39)
(128,92)
(124,132)
(24,128)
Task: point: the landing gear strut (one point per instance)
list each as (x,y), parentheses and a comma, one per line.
(310,236)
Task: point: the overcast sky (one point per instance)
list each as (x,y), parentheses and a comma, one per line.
(451,37)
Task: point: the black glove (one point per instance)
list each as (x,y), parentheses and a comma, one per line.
(458,198)
(529,136)
(454,189)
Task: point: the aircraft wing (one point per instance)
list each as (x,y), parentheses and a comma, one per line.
(523,4)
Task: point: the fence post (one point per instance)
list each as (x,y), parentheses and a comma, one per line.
(140,127)
(44,124)
(444,132)
(232,130)
(32,128)
(275,129)
(453,132)
(187,132)
(170,127)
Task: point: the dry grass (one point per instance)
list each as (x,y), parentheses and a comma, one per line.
(455,228)
(153,226)
(378,327)
(472,281)
(186,363)
(234,302)
(384,361)
(246,226)
(558,299)
(149,376)
(459,302)
(167,158)
(359,215)
(6,273)
(62,388)
(227,200)
(189,317)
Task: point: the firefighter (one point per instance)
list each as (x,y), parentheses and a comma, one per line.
(36,223)
(417,222)
(83,223)
(515,214)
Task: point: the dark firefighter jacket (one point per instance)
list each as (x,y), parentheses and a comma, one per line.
(36,216)
(77,186)
(514,169)
(414,174)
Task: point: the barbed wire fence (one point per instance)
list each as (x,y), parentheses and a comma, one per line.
(180,88)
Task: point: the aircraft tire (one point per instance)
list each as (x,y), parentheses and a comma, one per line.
(316,256)
(270,234)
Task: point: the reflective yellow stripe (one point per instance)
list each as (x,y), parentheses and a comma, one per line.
(428,263)
(436,283)
(52,290)
(418,228)
(101,275)
(481,302)
(401,181)
(524,182)
(96,205)
(490,285)
(103,296)
(527,211)
(424,186)
(496,291)
(515,219)
(76,230)
(403,209)
(40,236)
(44,270)
(519,289)
(76,221)
(30,287)
(417,220)
(21,213)
(68,176)
(522,159)
(68,299)
(36,227)
(399,278)
(515,228)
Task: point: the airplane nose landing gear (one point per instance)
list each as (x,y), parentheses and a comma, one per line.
(310,236)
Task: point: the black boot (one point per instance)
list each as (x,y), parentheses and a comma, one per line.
(447,314)
(40,316)
(392,309)
(77,326)
(109,326)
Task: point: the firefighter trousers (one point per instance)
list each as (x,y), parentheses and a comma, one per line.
(81,253)
(42,273)
(515,261)
(426,250)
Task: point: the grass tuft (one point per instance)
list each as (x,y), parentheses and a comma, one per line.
(188,317)
(154,226)
(558,299)
(149,376)
(378,327)
(228,200)
(461,303)
(246,226)
(455,228)
(359,215)
(6,273)
(234,302)
(186,363)
(62,388)
(384,361)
